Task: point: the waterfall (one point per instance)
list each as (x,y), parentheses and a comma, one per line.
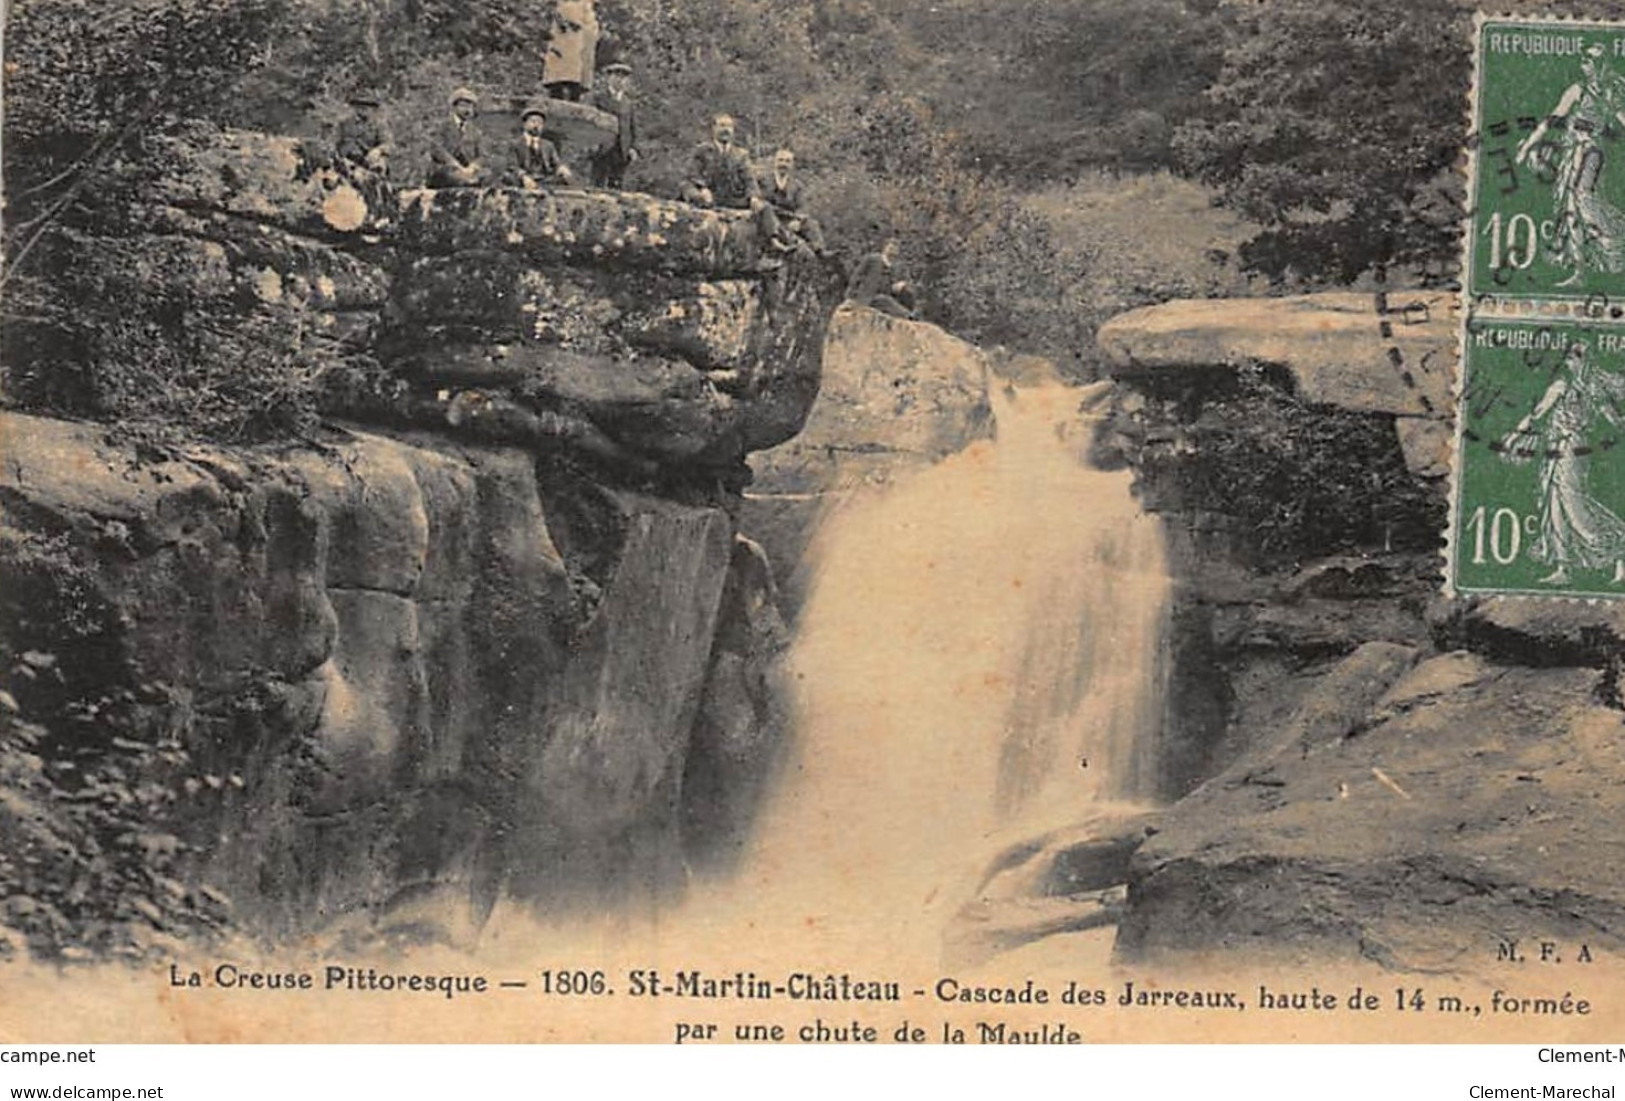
(979,660)
(981,654)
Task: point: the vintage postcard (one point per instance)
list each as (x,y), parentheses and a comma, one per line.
(788,522)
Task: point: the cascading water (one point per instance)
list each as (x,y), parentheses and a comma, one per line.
(980,657)
(979,661)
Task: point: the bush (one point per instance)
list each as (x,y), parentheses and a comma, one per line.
(1293,480)
(96,780)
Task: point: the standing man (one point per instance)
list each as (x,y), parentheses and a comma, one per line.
(572,50)
(610,163)
(455,157)
(877,284)
(535,159)
(782,190)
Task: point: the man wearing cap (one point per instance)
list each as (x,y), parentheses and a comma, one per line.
(535,159)
(781,188)
(610,163)
(454,157)
(363,140)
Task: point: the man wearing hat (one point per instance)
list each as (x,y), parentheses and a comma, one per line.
(610,163)
(363,140)
(535,160)
(454,156)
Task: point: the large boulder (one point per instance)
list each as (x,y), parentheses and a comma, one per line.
(895,395)
(1470,804)
(678,369)
(274,276)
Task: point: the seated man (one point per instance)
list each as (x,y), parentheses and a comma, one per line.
(782,191)
(455,157)
(721,174)
(535,159)
(876,284)
(363,140)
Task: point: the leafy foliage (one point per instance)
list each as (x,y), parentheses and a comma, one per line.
(1050,91)
(96,780)
(1294,480)
(1335,126)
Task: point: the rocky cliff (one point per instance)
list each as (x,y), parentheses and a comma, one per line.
(1386,774)
(493,629)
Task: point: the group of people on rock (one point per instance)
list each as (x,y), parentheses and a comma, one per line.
(721,172)
(457,149)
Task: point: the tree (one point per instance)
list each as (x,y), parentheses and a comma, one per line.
(1043,89)
(87,79)
(1335,125)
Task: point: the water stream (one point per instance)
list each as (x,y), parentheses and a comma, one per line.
(980,658)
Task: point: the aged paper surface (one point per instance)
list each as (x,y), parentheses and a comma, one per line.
(669,632)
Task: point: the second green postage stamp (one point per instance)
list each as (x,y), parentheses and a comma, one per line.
(1540,470)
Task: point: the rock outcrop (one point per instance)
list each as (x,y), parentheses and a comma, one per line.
(1386,774)
(387,647)
(646,332)
(493,628)
(1469,805)
(1390,353)
(896,395)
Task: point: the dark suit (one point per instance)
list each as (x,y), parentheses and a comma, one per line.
(727,173)
(456,148)
(357,137)
(789,201)
(610,163)
(539,162)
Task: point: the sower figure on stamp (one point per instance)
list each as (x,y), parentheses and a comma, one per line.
(610,163)
(1590,233)
(877,284)
(572,50)
(782,189)
(455,157)
(1577,530)
(535,160)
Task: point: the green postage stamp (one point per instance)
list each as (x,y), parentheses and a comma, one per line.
(1549,161)
(1539,493)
